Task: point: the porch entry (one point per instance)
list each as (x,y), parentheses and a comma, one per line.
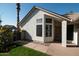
(49,26)
(70,30)
(58,32)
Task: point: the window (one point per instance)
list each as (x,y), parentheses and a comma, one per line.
(48,31)
(39,30)
(39,20)
(48,20)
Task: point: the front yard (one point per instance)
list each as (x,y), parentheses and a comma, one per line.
(23,51)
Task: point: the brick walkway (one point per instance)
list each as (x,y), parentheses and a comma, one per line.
(54,49)
(38,47)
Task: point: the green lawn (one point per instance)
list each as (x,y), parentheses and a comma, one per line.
(23,51)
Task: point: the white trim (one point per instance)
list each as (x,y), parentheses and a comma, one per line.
(43,28)
(64,33)
(75,36)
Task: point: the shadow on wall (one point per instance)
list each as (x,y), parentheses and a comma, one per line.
(26,36)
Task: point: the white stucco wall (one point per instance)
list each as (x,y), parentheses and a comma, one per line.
(30,26)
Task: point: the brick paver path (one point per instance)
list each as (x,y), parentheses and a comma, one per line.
(38,47)
(54,49)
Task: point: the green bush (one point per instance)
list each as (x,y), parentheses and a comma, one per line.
(6,38)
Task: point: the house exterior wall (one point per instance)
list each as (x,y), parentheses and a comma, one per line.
(76,34)
(30,26)
(57,31)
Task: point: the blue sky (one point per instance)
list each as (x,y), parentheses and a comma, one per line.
(8,11)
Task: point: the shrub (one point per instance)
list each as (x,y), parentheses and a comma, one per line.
(6,38)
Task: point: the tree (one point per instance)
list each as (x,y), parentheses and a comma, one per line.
(6,37)
(0,22)
(18,10)
(18,28)
(11,27)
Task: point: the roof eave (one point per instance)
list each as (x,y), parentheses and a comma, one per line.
(53,13)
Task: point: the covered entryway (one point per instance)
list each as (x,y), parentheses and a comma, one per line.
(63,33)
(57,32)
(70,30)
(57,27)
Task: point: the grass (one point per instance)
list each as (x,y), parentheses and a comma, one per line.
(23,51)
